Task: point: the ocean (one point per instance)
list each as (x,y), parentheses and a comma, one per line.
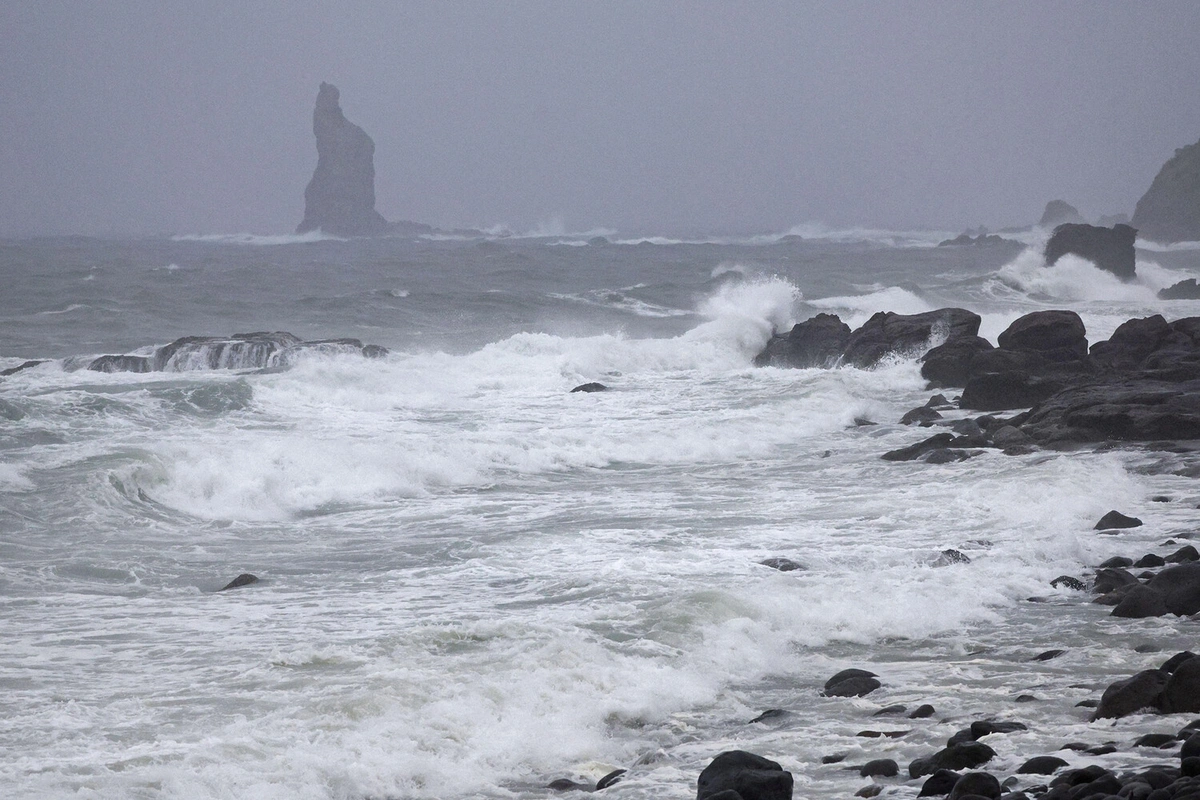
(475,582)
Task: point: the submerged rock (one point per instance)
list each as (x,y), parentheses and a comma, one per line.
(589,388)
(1110,249)
(340,198)
(258,350)
(1169,211)
(245,579)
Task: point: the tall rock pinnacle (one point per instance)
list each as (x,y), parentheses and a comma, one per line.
(1169,211)
(340,198)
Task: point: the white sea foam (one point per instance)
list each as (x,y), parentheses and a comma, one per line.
(14,479)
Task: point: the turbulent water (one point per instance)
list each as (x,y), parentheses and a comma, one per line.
(474,581)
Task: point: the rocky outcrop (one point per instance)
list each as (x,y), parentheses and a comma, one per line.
(340,198)
(739,774)
(1184,290)
(1169,211)
(1110,249)
(886,333)
(241,351)
(816,342)
(1057,212)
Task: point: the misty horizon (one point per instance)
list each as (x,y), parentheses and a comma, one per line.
(709,118)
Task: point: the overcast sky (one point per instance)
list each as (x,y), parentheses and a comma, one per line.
(158,116)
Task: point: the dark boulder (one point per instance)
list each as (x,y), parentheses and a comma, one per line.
(940,782)
(922,414)
(1141,602)
(976,784)
(1041,765)
(751,776)
(589,388)
(610,779)
(1110,249)
(1116,562)
(915,451)
(847,674)
(1180,586)
(1067,582)
(340,198)
(1131,342)
(1001,391)
(1169,211)
(881,768)
(1132,694)
(1183,555)
(1108,580)
(852,687)
(1115,519)
(4,373)
(816,342)
(1054,335)
(769,714)
(922,712)
(966,755)
(1182,692)
(886,333)
(1150,560)
(952,363)
(1158,740)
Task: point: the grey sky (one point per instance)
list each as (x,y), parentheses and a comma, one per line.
(147,116)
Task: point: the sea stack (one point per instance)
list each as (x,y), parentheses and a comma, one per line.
(340,198)
(1057,212)
(1169,211)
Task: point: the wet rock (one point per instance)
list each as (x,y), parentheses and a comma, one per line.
(1182,692)
(245,579)
(1141,602)
(589,388)
(1055,336)
(1117,562)
(948,455)
(1183,555)
(853,687)
(889,711)
(880,767)
(1009,389)
(918,415)
(1141,408)
(922,712)
(951,556)
(1180,586)
(940,782)
(915,451)
(976,784)
(566,785)
(120,364)
(1108,580)
(869,791)
(1157,740)
(769,714)
(751,776)
(887,332)
(1132,694)
(1150,560)
(1057,212)
(1110,249)
(1049,654)
(1041,765)
(953,362)
(1131,343)
(4,373)
(782,564)
(966,755)
(1191,746)
(1067,582)
(1116,520)
(816,342)
(610,779)
(835,758)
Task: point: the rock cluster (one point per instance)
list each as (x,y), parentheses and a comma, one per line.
(1110,249)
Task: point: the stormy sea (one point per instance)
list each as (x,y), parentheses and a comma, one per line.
(474,582)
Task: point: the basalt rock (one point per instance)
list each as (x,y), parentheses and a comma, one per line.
(259,350)
(976,784)
(1131,343)
(1184,290)
(1169,211)
(1115,519)
(1180,586)
(1110,249)
(1055,336)
(1132,694)
(1131,409)
(245,579)
(952,363)
(340,198)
